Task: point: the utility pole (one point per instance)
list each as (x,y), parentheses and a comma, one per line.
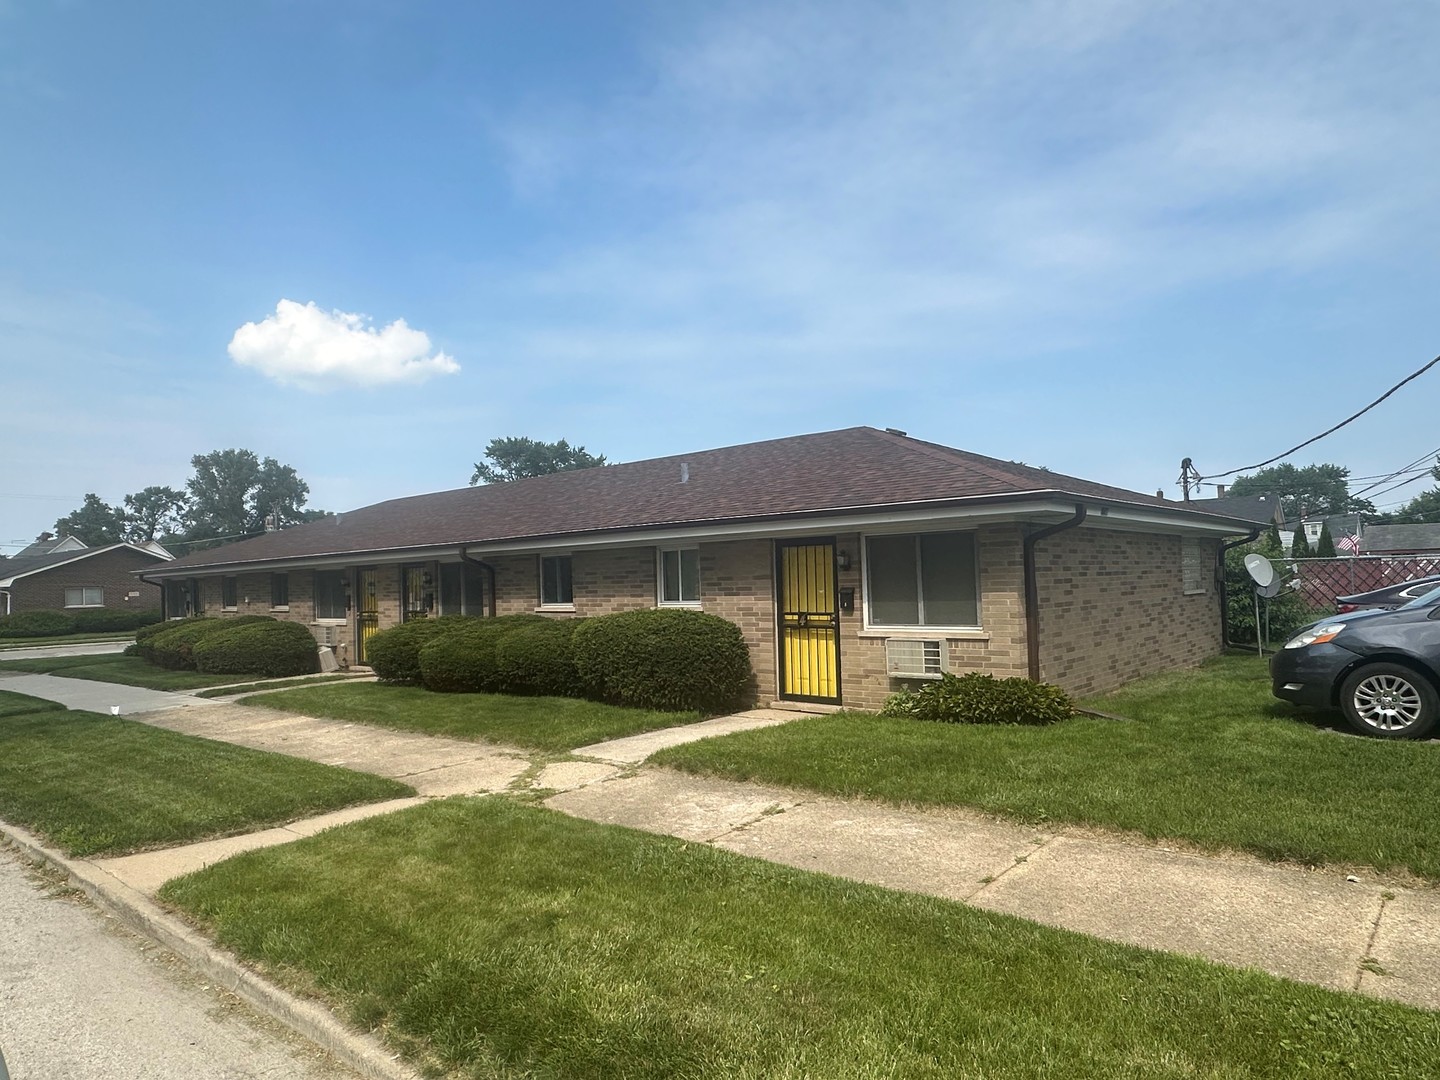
(1189,477)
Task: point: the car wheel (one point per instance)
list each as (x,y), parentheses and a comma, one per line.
(1390,701)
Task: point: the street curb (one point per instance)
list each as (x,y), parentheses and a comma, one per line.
(309,1020)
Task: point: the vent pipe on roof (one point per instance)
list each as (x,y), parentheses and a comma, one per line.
(684,473)
(897,431)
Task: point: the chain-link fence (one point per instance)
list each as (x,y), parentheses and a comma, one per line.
(1322,580)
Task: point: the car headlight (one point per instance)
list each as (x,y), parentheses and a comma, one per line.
(1317,634)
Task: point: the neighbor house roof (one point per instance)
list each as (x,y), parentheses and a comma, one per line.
(855,469)
(1260,509)
(50,545)
(1378,539)
(15,568)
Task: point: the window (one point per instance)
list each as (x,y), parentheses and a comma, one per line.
(330,594)
(85,596)
(280,591)
(680,576)
(1192,565)
(196,597)
(228,598)
(556,588)
(929,579)
(462,589)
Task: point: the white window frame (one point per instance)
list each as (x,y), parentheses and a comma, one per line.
(678,551)
(279,574)
(920,629)
(99,590)
(559,605)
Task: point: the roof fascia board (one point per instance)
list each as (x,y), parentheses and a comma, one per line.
(1040,509)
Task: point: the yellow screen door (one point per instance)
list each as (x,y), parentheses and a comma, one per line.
(809,621)
(367,610)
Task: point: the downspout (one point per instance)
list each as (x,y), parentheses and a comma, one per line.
(490,572)
(1220,576)
(1032,590)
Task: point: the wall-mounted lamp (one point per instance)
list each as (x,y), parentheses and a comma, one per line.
(842,559)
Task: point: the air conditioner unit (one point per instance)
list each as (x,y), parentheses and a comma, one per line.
(909,659)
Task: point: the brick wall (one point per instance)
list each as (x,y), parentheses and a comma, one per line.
(110,571)
(998,648)
(737,583)
(1113,608)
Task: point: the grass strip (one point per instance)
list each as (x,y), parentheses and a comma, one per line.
(125,670)
(273,684)
(101,785)
(13,704)
(540,723)
(1210,758)
(487,938)
(65,639)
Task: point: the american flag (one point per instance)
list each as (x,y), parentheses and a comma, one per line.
(1349,542)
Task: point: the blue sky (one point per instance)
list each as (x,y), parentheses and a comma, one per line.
(1096,236)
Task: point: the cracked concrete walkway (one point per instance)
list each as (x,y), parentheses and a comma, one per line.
(1363,933)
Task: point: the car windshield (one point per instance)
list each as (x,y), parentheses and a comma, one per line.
(1425,599)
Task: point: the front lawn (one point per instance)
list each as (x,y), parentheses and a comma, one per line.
(114,668)
(65,639)
(1206,756)
(13,704)
(487,938)
(101,785)
(539,723)
(241,687)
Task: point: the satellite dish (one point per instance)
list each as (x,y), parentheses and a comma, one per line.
(1260,570)
(1270,590)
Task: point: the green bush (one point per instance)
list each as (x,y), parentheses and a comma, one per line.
(36,624)
(106,620)
(174,647)
(143,636)
(271,648)
(538,659)
(394,654)
(976,698)
(664,659)
(462,658)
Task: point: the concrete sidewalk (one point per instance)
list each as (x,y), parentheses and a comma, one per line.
(1360,933)
(100,697)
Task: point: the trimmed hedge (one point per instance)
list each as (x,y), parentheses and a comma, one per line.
(664,659)
(977,698)
(462,658)
(91,621)
(538,659)
(394,654)
(174,647)
(271,648)
(36,624)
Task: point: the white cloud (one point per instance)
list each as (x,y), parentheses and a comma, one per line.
(303,346)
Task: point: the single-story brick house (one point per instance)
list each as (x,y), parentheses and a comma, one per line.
(60,574)
(849,559)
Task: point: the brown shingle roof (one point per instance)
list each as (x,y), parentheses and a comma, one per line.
(852,469)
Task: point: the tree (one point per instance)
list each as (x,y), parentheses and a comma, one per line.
(1300,546)
(1325,546)
(1313,489)
(517,458)
(95,524)
(153,512)
(233,493)
(1424,508)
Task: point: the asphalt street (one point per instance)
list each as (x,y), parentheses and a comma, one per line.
(83,998)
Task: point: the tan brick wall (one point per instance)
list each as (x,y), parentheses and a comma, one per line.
(1113,608)
(610,581)
(737,583)
(998,648)
(110,571)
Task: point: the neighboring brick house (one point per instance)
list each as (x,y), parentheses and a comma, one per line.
(852,561)
(64,574)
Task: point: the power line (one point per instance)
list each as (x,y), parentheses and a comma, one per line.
(1400,472)
(1331,430)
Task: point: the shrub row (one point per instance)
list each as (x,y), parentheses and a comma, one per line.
(976,698)
(655,659)
(24,624)
(244,645)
